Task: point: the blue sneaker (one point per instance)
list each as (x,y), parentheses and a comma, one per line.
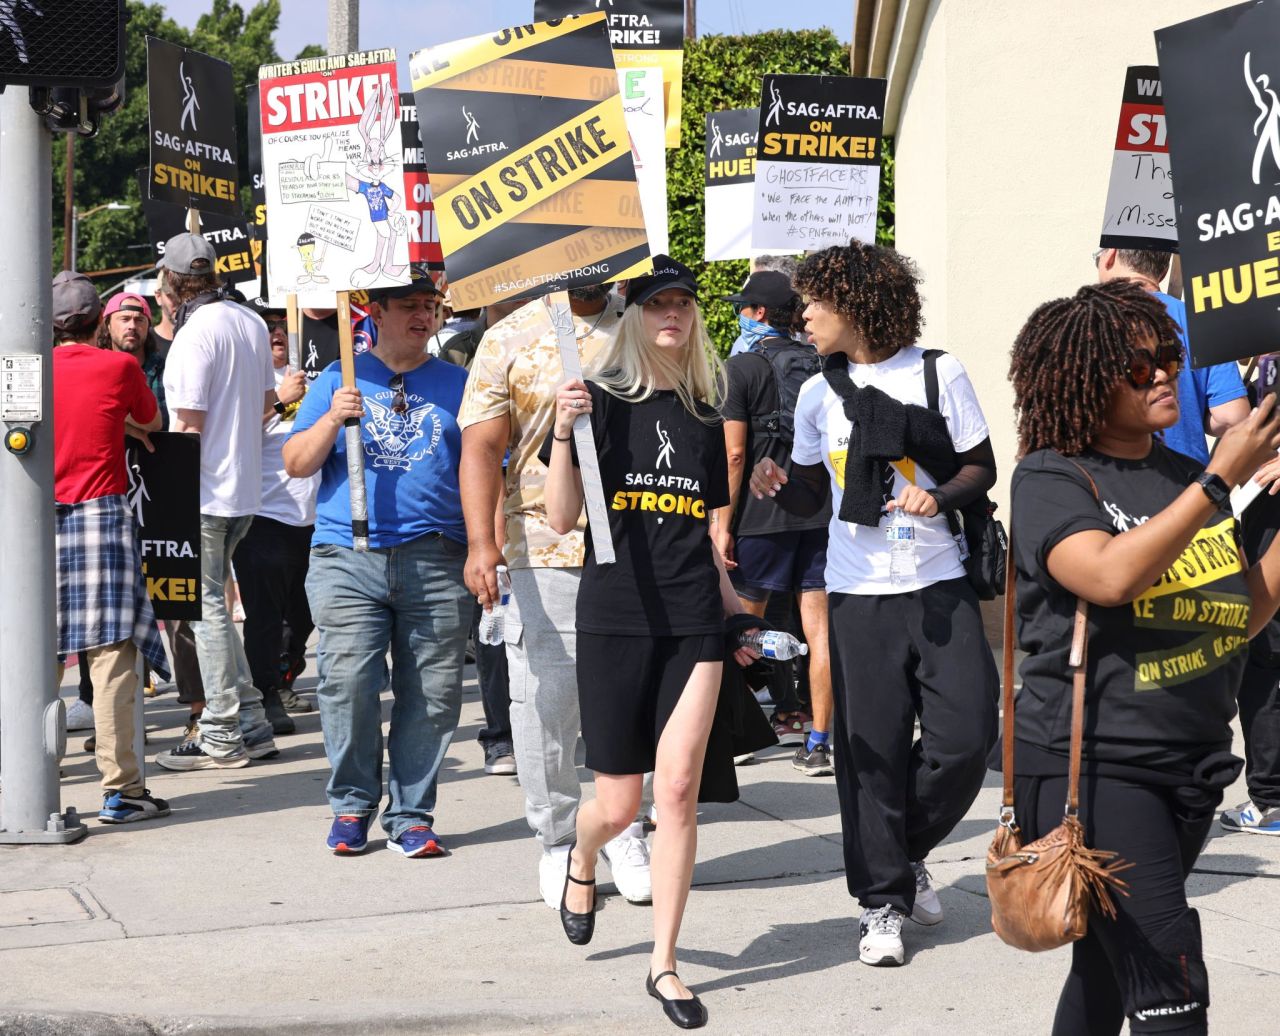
(349,835)
(1251,818)
(119,808)
(417,841)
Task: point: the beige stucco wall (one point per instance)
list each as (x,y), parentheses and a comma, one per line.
(1004,150)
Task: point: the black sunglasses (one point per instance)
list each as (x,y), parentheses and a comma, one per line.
(399,404)
(1143,364)
(277,323)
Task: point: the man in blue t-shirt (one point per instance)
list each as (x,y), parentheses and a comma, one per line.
(1210,399)
(406,593)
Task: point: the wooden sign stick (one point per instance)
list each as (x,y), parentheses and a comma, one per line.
(355,446)
(291,318)
(557,304)
(193,221)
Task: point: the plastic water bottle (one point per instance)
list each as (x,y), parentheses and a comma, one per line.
(773,644)
(901,534)
(491,621)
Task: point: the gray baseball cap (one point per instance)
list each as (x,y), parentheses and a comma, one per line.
(188,253)
(75,302)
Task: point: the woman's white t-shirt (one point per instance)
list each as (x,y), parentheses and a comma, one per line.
(858,555)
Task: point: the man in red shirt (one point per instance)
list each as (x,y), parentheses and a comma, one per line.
(103,610)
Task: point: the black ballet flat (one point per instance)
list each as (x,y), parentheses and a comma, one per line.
(688,1014)
(578,927)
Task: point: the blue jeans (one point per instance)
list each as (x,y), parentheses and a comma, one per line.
(410,599)
(233,714)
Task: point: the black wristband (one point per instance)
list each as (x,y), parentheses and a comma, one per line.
(279,407)
(567,438)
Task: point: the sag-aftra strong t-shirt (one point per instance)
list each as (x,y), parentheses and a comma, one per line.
(1162,670)
(664,471)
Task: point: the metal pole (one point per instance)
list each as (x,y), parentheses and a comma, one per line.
(691,19)
(69,206)
(69,258)
(32,723)
(344,26)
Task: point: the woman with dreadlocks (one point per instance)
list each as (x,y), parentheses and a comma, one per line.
(893,430)
(1104,511)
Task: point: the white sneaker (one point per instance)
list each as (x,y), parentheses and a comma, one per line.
(880,937)
(928,907)
(552,868)
(628,860)
(79,716)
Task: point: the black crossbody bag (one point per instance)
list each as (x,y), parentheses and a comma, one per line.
(975,527)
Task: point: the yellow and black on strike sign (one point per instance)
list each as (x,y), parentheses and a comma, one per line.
(193,129)
(530,160)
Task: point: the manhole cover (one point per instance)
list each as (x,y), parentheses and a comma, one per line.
(41,906)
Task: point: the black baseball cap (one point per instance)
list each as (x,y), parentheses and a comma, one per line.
(667,273)
(767,288)
(420,281)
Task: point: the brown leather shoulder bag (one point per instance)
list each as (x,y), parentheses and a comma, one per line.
(1041,893)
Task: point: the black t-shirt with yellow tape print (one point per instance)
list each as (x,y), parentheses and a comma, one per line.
(1163,670)
(664,471)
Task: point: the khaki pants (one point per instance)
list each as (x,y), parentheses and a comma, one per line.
(113,669)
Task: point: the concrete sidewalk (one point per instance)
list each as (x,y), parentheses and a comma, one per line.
(231,916)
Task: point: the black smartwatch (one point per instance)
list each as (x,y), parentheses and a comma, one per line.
(280,408)
(1215,489)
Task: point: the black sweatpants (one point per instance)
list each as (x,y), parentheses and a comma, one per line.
(1147,965)
(896,658)
(271,568)
(1259,700)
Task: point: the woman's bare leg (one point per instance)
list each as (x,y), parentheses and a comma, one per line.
(604,817)
(676,776)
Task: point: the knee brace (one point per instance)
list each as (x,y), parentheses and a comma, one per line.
(1169,990)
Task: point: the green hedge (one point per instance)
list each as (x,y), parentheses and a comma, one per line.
(723,72)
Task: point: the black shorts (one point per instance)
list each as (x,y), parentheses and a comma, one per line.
(627,689)
(781,562)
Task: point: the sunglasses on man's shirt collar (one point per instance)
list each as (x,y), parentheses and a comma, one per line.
(399,402)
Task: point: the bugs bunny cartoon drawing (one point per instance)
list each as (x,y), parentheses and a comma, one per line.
(386,209)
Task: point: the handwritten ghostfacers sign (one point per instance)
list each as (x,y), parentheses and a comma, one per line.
(817,179)
(530,161)
(193,136)
(1220,75)
(1140,210)
(730,175)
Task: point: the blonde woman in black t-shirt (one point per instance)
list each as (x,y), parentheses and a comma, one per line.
(1104,511)
(651,640)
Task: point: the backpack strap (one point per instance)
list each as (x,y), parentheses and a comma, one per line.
(932,395)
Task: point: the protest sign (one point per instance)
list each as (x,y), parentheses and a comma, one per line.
(1140,197)
(730,172)
(334,176)
(643,33)
(229,236)
(164,494)
(530,161)
(424,237)
(1217,74)
(193,137)
(817,179)
(641,90)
